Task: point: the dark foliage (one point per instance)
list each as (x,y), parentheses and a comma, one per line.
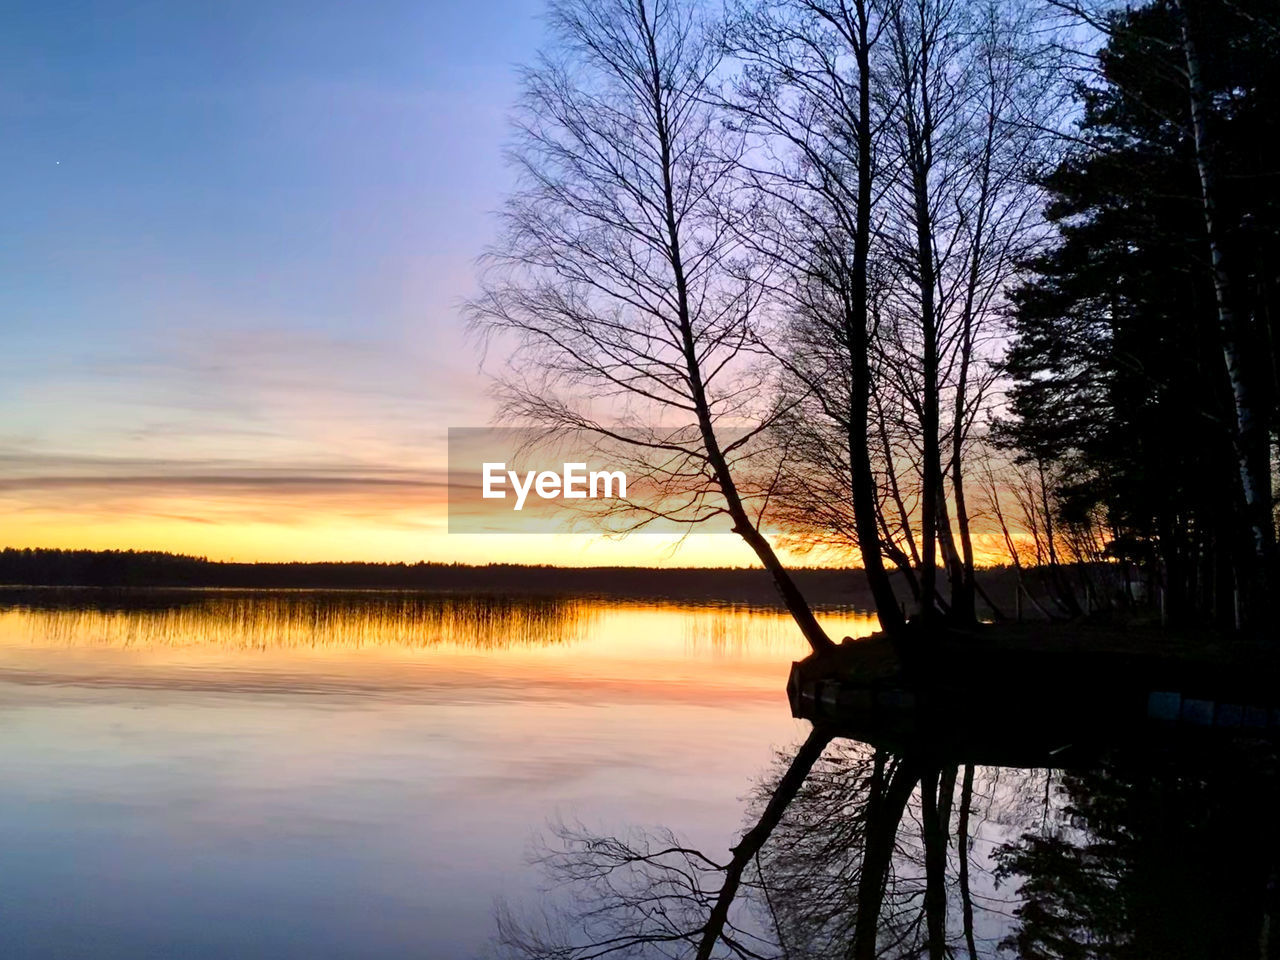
(1119,375)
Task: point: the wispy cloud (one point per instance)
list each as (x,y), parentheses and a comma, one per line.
(104,488)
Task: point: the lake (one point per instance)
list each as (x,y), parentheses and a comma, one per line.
(217,773)
(325,774)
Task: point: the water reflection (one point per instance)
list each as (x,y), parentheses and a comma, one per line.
(250,620)
(270,620)
(299,774)
(1154,848)
(212,774)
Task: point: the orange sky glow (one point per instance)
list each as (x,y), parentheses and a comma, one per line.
(248,523)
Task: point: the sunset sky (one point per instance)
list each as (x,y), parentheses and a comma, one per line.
(236,239)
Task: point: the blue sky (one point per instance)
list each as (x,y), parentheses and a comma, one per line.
(320,169)
(236,235)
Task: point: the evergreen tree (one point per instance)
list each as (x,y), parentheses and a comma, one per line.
(1117,360)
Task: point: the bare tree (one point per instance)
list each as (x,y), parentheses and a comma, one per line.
(804,97)
(623,288)
(644,895)
(848,853)
(883,337)
(994,225)
(970,93)
(919,95)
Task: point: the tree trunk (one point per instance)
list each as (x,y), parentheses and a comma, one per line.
(1250,432)
(884,813)
(919,159)
(930,448)
(952,562)
(963,603)
(865,502)
(935,807)
(747,848)
(962,843)
(743,525)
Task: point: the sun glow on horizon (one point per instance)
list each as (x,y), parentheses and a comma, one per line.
(335,539)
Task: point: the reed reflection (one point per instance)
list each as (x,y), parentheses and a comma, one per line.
(282,620)
(1151,849)
(736,628)
(263,620)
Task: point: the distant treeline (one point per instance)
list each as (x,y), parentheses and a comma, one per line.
(824,586)
(130,568)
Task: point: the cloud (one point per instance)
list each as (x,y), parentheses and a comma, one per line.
(264,425)
(210,491)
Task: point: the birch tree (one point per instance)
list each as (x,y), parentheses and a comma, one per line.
(804,96)
(617,281)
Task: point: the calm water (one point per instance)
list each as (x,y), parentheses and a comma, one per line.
(308,774)
(311,774)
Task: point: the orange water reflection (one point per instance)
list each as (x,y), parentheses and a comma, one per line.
(319,775)
(357,642)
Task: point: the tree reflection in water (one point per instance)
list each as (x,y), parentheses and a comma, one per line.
(1152,848)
